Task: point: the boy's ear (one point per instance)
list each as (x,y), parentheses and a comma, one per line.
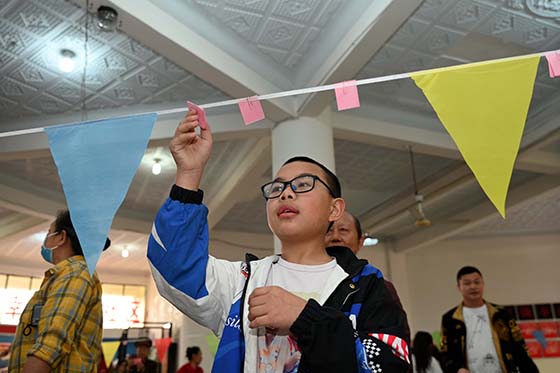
(338,206)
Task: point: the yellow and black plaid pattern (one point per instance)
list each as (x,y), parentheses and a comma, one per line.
(68,336)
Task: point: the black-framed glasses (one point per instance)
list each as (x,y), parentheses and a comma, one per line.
(300,184)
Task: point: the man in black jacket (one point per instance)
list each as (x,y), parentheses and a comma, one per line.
(478,336)
(347,232)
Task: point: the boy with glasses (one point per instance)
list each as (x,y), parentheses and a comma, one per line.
(308,310)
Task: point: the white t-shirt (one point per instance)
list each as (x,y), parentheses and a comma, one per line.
(481,352)
(278,352)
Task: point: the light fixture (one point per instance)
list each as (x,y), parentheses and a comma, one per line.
(370,241)
(156,167)
(418,210)
(107,18)
(67,61)
(124,252)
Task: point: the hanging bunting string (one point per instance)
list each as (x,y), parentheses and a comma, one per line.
(295,92)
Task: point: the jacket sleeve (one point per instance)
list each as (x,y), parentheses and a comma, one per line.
(199,285)
(331,342)
(523,360)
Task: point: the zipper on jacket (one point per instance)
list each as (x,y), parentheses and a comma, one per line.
(248,259)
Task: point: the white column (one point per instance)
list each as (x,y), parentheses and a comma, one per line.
(310,137)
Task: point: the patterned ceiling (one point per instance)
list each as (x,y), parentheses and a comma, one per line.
(450,32)
(283,30)
(119,72)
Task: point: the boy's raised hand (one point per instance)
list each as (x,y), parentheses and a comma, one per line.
(190,151)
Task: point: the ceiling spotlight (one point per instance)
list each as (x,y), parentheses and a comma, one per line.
(125,253)
(371,241)
(107,18)
(156,167)
(67,61)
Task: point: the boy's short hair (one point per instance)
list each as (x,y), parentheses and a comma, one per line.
(467,270)
(332,181)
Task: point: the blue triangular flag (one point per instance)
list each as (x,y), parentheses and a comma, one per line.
(96,162)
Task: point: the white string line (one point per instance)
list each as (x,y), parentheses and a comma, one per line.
(293,92)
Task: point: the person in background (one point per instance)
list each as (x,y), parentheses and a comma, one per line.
(347,232)
(61,327)
(141,363)
(481,337)
(423,354)
(195,358)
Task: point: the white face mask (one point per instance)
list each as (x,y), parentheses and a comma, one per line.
(46,252)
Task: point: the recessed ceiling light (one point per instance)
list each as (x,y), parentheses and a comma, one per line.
(67,61)
(125,253)
(156,167)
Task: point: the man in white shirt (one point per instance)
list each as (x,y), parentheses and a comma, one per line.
(480,337)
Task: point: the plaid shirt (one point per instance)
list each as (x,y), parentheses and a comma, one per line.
(69,331)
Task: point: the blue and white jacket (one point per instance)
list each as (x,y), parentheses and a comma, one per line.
(356,328)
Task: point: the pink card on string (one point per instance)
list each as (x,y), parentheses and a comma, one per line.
(251,110)
(347,95)
(201,114)
(553,59)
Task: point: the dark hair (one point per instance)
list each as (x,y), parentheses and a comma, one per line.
(143,342)
(332,180)
(191,351)
(422,346)
(64,223)
(358,225)
(467,270)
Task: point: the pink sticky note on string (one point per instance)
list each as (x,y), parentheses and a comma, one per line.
(201,114)
(553,59)
(347,95)
(251,110)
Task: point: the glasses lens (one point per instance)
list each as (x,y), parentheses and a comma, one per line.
(273,190)
(303,184)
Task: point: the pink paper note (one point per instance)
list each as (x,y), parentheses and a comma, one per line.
(251,110)
(347,95)
(201,114)
(553,63)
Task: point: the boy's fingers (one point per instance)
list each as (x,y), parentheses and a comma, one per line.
(187,137)
(258,322)
(186,126)
(261,291)
(256,311)
(205,133)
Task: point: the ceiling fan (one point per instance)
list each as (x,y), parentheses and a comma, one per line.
(417,210)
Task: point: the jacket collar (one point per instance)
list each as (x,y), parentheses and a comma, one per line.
(346,259)
(458,314)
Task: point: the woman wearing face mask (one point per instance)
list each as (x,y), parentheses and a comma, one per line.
(60,328)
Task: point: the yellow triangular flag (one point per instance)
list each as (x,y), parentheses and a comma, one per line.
(109,350)
(484,107)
